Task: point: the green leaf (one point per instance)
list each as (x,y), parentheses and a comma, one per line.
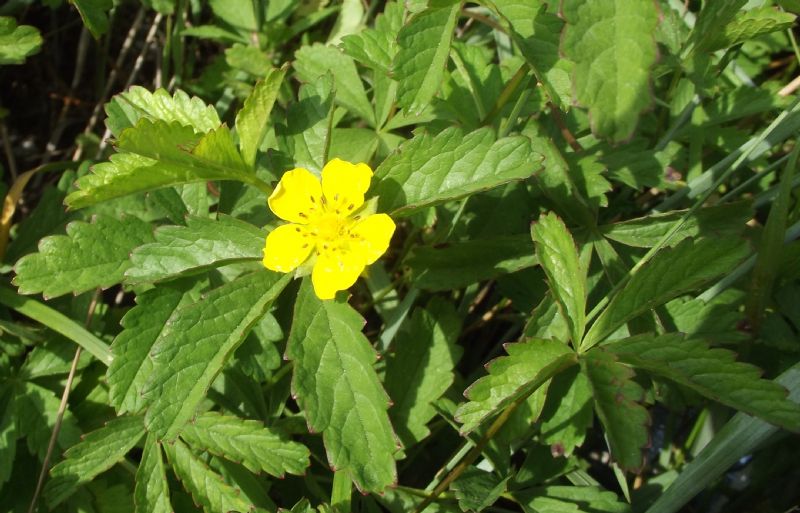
(528,366)
(559,259)
(97,452)
(252,121)
(202,243)
(458,264)
(613,48)
(477,489)
(570,499)
(90,255)
(37,410)
(316,60)
(248,442)
(202,336)
(567,413)
(94,14)
(151,494)
(616,402)
(424,45)
(17,42)
(339,391)
(307,134)
(431,169)
(711,372)
(723,220)
(157,157)
(126,109)
(711,19)
(742,435)
(422,368)
(671,273)
(376,47)
(748,25)
(142,326)
(206,486)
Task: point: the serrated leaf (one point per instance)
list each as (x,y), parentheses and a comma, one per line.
(376,47)
(671,273)
(17,42)
(90,255)
(37,410)
(206,486)
(164,160)
(570,499)
(126,109)
(711,372)
(616,402)
(337,387)
(613,48)
(252,121)
(202,243)
(458,264)
(307,134)
(142,326)
(559,259)
(248,442)
(528,366)
(423,47)
(477,489)
(422,368)
(567,413)
(431,169)
(94,14)
(194,347)
(51,358)
(723,220)
(151,494)
(97,452)
(316,60)
(713,16)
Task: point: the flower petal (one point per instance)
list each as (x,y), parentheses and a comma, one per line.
(287,247)
(344,185)
(335,271)
(297,196)
(373,235)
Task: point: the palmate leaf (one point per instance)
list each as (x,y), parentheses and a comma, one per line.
(158,154)
(528,366)
(613,47)
(96,453)
(458,264)
(616,402)
(424,45)
(252,121)
(151,494)
(126,109)
(249,442)
(559,259)
(202,243)
(206,486)
(432,169)
(711,372)
(17,42)
(142,326)
(337,387)
(671,273)
(422,368)
(195,345)
(90,255)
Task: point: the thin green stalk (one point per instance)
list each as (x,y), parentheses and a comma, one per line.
(507,93)
(56,322)
(341,492)
(512,118)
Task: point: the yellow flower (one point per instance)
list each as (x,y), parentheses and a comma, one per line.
(324,220)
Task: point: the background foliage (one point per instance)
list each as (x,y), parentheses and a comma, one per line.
(590,303)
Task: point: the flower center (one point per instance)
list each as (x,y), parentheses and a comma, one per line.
(330,227)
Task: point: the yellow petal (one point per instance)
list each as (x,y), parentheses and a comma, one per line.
(297,196)
(287,247)
(373,235)
(335,271)
(344,185)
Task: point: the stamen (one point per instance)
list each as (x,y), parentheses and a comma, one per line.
(297,229)
(350,206)
(312,199)
(302,214)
